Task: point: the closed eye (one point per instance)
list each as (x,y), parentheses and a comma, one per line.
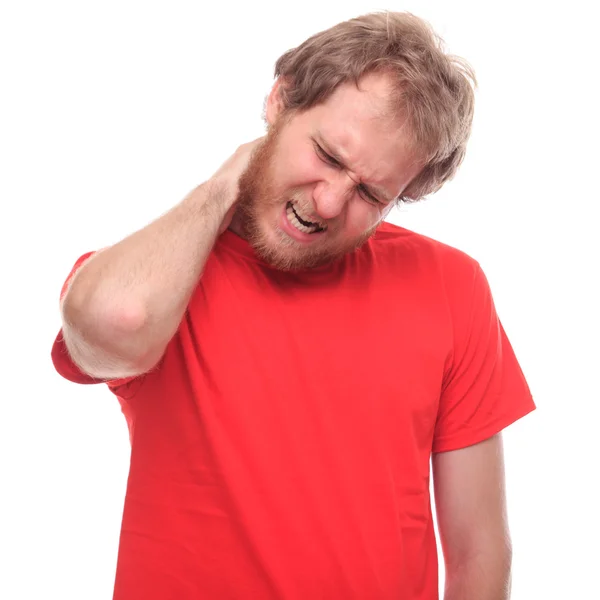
(326,158)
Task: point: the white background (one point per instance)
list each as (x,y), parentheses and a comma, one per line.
(111,112)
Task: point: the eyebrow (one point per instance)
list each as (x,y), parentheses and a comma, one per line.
(375,191)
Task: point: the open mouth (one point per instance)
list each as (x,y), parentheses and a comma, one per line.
(301,222)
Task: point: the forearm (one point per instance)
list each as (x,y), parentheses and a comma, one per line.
(486,576)
(142,285)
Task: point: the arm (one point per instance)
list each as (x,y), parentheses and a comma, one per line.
(472,521)
(126,302)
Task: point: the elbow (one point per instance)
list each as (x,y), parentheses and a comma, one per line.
(484,572)
(99,308)
(119,334)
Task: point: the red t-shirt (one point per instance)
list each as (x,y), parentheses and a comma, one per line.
(281,449)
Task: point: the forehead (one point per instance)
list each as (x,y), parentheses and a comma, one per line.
(359,126)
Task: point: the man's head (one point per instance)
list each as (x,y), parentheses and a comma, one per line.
(363,115)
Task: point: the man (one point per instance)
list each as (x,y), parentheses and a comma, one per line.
(288,363)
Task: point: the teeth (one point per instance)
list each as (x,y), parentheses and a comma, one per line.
(303,216)
(294,220)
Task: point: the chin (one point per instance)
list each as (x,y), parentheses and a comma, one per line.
(285,254)
(275,247)
(292,261)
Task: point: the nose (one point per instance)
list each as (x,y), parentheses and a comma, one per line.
(331,196)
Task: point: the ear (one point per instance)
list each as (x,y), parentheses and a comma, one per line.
(274,106)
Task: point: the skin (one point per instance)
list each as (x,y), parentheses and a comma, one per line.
(295,163)
(470,498)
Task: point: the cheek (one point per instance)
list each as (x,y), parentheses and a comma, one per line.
(361,217)
(297,169)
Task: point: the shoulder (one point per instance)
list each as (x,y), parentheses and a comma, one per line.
(429,255)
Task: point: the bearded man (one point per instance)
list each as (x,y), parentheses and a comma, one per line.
(289,363)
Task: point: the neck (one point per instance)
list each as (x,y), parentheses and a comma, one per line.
(236,224)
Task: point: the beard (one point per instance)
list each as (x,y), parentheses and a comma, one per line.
(258,219)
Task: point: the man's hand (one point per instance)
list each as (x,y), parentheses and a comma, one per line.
(225,181)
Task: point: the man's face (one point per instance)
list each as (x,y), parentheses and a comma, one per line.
(324,179)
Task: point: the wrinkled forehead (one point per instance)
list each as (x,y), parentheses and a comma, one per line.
(375,144)
(373,104)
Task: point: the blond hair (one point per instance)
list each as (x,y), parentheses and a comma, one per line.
(432,91)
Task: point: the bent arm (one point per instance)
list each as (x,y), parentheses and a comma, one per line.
(126,302)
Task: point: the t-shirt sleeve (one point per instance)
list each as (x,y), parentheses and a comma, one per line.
(484,388)
(64,365)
